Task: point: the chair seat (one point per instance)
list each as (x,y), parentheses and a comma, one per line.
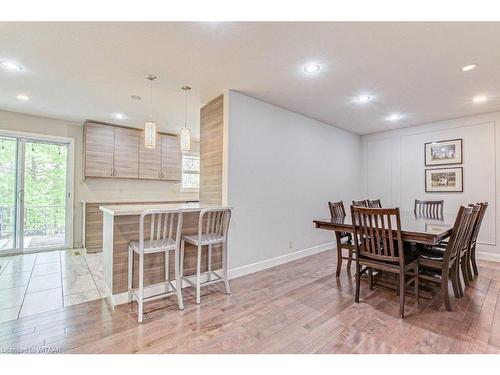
(431,254)
(154,246)
(206,239)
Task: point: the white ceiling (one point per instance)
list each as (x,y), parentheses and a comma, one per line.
(78,71)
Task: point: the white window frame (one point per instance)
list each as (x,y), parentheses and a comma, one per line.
(183,189)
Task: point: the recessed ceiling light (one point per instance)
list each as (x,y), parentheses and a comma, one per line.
(469,67)
(135,97)
(361,99)
(394,117)
(479,99)
(312,68)
(10,65)
(119,116)
(23,97)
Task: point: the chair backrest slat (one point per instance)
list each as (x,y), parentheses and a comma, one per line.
(383,240)
(429,209)
(391,237)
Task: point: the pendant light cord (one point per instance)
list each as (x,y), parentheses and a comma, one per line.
(185,108)
(151,99)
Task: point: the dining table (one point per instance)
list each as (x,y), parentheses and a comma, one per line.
(416,229)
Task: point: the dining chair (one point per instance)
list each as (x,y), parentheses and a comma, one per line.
(473,242)
(361,203)
(164,237)
(343,239)
(375,203)
(438,266)
(429,209)
(213,226)
(464,251)
(379,246)
(465,248)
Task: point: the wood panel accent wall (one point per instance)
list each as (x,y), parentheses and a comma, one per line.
(211,148)
(114,151)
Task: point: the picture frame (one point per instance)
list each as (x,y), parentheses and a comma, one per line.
(444,180)
(443,152)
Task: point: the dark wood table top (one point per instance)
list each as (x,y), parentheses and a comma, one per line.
(414,228)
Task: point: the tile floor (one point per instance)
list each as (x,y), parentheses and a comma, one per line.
(35,283)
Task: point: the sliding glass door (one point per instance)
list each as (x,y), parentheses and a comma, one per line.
(44,193)
(8,193)
(34,194)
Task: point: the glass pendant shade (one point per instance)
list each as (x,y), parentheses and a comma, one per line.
(150,134)
(185,139)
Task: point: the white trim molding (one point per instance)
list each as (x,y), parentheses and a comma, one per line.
(488,256)
(273,262)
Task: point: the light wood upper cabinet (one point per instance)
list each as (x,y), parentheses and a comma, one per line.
(149,160)
(99,143)
(170,157)
(115,151)
(126,150)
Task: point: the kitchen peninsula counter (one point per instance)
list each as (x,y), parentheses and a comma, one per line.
(121,225)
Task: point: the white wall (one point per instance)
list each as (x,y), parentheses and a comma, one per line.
(393,168)
(283,168)
(91,189)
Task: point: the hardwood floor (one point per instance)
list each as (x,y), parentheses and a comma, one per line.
(298,307)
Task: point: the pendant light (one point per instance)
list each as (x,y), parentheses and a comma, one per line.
(150,125)
(185,131)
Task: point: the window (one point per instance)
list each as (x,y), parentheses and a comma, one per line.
(190,172)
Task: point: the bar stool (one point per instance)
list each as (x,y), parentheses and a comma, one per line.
(214,232)
(161,240)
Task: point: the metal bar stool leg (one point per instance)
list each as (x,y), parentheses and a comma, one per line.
(178,280)
(167,271)
(224,267)
(209,262)
(198,271)
(130,272)
(183,243)
(141,288)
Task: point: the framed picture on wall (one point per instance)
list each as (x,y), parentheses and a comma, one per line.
(443,152)
(444,180)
